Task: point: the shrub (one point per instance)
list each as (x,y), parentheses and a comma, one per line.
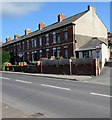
(5,64)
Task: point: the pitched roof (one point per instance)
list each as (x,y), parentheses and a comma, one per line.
(91,45)
(50,27)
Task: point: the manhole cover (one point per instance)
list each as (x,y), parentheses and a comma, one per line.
(36,115)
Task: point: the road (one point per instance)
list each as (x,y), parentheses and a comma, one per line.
(56,98)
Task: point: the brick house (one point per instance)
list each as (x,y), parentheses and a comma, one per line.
(62,38)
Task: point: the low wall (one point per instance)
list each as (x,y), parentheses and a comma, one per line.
(78,67)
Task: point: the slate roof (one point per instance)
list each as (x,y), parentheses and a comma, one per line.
(91,45)
(64,22)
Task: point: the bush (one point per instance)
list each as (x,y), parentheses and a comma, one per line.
(60,57)
(5,56)
(4,64)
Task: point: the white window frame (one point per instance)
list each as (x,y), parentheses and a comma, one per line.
(66,35)
(47,53)
(27,44)
(28,57)
(54,50)
(47,39)
(40,53)
(54,37)
(40,41)
(58,51)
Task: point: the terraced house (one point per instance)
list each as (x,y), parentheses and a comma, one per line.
(64,38)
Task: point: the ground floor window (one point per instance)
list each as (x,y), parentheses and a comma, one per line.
(66,52)
(58,52)
(54,52)
(85,54)
(77,54)
(40,53)
(47,53)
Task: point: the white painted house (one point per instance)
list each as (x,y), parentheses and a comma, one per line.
(91,32)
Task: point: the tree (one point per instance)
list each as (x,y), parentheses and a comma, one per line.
(4,56)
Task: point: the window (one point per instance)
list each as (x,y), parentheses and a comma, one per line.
(40,52)
(14,48)
(54,37)
(47,53)
(58,37)
(66,52)
(54,52)
(85,54)
(23,57)
(47,39)
(27,44)
(58,52)
(35,55)
(34,43)
(19,46)
(66,35)
(77,54)
(22,46)
(40,41)
(32,56)
(28,57)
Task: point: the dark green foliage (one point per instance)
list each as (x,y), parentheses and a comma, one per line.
(4,57)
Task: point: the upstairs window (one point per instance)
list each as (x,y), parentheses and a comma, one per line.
(65,35)
(34,43)
(58,38)
(40,41)
(47,39)
(54,37)
(22,46)
(27,44)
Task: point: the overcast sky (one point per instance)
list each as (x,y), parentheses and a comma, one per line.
(17,16)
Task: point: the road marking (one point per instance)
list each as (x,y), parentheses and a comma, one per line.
(23,81)
(55,87)
(5,78)
(4,107)
(100,95)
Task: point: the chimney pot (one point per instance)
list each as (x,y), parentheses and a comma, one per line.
(27,31)
(41,25)
(8,39)
(16,36)
(61,17)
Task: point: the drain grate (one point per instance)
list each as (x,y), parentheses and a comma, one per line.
(37,115)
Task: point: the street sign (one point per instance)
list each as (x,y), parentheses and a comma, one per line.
(97,55)
(98,49)
(20,54)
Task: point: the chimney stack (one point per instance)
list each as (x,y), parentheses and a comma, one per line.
(41,25)
(8,39)
(61,17)
(16,36)
(91,8)
(27,31)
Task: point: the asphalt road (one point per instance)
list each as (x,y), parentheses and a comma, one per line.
(56,98)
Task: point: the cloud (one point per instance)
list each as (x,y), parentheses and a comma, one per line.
(18,9)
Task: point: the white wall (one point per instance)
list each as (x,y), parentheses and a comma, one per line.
(104,54)
(90,25)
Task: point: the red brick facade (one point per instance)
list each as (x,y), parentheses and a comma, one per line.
(33,51)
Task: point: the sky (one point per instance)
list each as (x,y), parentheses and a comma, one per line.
(18,16)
